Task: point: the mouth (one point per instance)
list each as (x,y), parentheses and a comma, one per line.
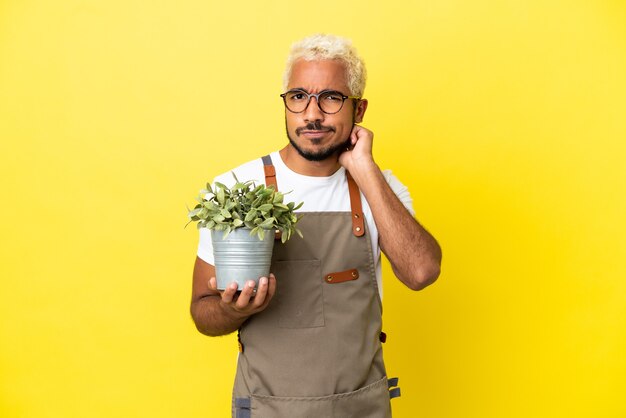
(314,132)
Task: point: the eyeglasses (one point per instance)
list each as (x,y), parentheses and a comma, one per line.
(329,101)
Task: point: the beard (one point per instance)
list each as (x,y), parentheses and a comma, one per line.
(322,154)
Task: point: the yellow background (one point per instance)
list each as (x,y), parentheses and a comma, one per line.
(507,120)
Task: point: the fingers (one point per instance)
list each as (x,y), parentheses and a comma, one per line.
(244,298)
(213,283)
(248,302)
(353,134)
(272,286)
(229,293)
(259,296)
(267,288)
(359,133)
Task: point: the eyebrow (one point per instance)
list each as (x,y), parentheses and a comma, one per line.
(321,91)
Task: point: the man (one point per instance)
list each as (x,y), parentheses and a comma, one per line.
(310,335)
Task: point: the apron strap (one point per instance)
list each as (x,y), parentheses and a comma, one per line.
(358,227)
(270,180)
(270,172)
(358,224)
(242,407)
(394,391)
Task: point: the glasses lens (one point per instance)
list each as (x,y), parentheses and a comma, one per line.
(331,101)
(296,101)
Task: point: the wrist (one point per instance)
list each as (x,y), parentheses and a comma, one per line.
(365,171)
(231,313)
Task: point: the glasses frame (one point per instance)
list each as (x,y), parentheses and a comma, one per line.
(317,99)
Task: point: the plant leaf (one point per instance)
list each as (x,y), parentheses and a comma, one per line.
(268,223)
(220,196)
(226,214)
(230,204)
(278,198)
(251,215)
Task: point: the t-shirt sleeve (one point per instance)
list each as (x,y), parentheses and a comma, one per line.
(400,190)
(205,246)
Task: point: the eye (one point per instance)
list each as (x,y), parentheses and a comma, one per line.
(332,96)
(296,96)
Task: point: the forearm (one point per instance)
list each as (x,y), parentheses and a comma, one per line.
(211,317)
(220,312)
(209,312)
(414,253)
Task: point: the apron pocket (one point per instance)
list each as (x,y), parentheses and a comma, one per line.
(371,401)
(299,298)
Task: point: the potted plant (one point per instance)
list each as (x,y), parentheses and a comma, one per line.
(244,221)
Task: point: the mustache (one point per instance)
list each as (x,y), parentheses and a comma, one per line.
(314,126)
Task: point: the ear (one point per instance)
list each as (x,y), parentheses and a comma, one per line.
(359,112)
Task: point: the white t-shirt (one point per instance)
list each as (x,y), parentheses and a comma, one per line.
(319,194)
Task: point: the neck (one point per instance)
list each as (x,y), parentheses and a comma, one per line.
(301,165)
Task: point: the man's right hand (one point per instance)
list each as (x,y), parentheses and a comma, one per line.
(220,312)
(245,303)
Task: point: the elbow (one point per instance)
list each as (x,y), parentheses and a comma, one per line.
(205,330)
(202,329)
(200,324)
(423,277)
(206,322)
(427,272)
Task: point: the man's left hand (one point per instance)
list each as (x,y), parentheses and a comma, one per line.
(359,156)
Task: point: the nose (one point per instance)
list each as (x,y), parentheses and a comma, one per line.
(313,111)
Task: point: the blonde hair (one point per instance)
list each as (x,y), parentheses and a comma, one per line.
(329,47)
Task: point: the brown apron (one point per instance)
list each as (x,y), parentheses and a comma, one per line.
(315,351)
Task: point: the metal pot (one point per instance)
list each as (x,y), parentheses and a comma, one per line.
(241,257)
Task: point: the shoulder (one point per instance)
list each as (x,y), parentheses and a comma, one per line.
(400,190)
(392,180)
(251,170)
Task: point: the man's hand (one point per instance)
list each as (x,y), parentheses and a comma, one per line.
(218,312)
(359,156)
(242,305)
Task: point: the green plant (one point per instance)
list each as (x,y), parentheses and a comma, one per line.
(258,208)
